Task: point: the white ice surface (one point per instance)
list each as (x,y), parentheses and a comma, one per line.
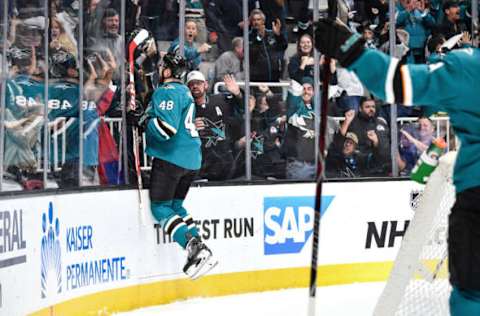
(355,299)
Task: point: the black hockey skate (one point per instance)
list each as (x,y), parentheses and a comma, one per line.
(199,260)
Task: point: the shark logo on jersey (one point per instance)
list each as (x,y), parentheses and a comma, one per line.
(50,254)
(25,82)
(216,132)
(298,120)
(288,222)
(257,146)
(62,86)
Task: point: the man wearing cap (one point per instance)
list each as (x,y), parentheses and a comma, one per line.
(344,160)
(214,116)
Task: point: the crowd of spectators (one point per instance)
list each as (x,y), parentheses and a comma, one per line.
(280,47)
(44,68)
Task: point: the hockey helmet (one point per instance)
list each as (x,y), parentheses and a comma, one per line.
(21,57)
(176,63)
(59,63)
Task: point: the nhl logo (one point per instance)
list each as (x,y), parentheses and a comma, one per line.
(415,196)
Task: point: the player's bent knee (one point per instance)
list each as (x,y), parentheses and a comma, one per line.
(162,211)
(177,206)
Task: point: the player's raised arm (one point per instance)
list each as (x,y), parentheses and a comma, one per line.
(385,76)
(405,84)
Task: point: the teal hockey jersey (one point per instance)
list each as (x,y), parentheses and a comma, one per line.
(23,121)
(300,138)
(63,102)
(24,94)
(450,85)
(171,133)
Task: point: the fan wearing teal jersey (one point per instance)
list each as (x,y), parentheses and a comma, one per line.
(23,123)
(450,85)
(174,144)
(23,119)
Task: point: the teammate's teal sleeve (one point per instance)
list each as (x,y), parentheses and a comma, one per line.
(451,85)
(171,133)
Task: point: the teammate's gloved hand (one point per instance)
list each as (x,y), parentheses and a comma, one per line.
(143,121)
(334,39)
(133,116)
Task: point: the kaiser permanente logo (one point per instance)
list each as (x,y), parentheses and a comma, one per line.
(51,254)
(288,222)
(83,262)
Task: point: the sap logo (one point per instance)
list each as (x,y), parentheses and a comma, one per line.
(50,254)
(288,222)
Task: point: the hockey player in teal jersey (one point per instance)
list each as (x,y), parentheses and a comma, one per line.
(64,92)
(174,144)
(451,85)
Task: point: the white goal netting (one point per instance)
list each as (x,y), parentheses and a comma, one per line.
(418,283)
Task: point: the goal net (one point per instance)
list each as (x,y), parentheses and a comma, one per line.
(418,283)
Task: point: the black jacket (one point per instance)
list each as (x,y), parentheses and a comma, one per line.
(360,125)
(340,166)
(217,139)
(266,56)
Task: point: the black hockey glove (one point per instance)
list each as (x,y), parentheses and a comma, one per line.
(334,39)
(143,121)
(133,116)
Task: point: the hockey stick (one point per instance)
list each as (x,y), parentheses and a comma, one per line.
(332,13)
(141,37)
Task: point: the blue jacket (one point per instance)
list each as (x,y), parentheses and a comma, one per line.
(192,55)
(418,25)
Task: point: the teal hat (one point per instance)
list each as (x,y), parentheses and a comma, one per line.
(308,80)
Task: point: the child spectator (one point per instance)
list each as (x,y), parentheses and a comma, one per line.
(193,51)
(60,39)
